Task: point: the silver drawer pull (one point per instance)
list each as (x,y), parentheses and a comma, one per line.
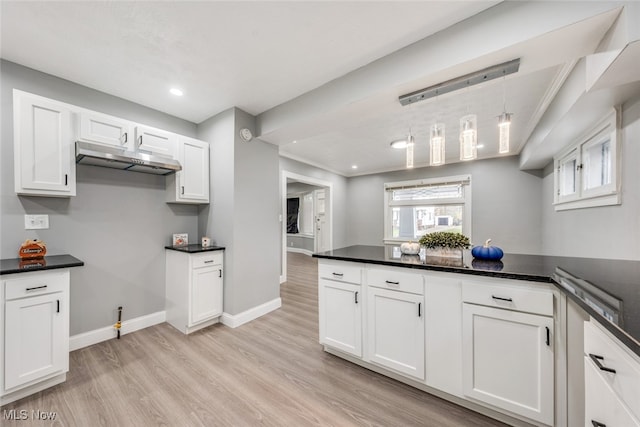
(209,261)
(501,298)
(338,274)
(597,424)
(392,283)
(36,288)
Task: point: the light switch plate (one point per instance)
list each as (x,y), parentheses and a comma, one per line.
(36,222)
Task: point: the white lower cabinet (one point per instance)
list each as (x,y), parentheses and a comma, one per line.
(340,319)
(34,337)
(395,325)
(601,405)
(612,381)
(194,289)
(508,360)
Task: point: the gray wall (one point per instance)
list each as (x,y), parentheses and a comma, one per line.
(611,232)
(339,195)
(118,223)
(505,203)
(243,215)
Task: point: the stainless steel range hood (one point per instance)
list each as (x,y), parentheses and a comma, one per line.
(88,153)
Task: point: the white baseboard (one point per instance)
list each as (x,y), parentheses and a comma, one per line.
(300,251)
(235,320)
(108,332)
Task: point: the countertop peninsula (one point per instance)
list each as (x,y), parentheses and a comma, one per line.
(608,290)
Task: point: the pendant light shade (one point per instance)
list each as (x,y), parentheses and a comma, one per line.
(504,125)
(468,137)
(436,145)
(410,144)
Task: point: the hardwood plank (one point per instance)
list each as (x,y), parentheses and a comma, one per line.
(271,371)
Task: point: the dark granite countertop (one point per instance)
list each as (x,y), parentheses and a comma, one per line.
(17,265)
(195,248)
(608,290)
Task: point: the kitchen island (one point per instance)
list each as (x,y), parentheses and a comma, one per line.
(495,336)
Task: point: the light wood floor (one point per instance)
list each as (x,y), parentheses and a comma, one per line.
(271,371)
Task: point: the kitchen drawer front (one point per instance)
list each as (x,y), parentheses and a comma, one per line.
(509,297)
(206,259)
(396,279)
(625,382)
(35,284)
(602,405)
(340,271)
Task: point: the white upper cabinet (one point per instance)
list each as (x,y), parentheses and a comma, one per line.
(43,147)
(155,141)
(587,173)
(191,184)
(104,129)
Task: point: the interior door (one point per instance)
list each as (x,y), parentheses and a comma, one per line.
(321,215)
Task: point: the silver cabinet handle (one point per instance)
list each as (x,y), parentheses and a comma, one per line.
(220,273)
(419,309)
(501,298)
(35,288)
(209,261)
(356,297)
(338,274)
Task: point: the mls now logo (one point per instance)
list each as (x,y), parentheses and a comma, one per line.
(14,414)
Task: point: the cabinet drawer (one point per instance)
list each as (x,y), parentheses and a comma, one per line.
(206,259)
(340,271)
(602,405)
(509,297)
(35,284)
(396,279)
(625,382)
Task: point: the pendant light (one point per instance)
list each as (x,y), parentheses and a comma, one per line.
(410,144)
(504,122)
(436,145)
(469,137)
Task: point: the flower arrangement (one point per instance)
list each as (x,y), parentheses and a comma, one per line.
(445,239)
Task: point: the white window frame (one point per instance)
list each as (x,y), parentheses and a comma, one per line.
(605,195)
(465,200)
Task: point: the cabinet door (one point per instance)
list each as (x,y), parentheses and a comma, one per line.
(601,405)
(193,179)
(105,130)
(340,316)
(206,293)
(35,344)
(395,325)
(508,360)
(156,141)
(43,147)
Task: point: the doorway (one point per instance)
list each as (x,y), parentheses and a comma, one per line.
(312,231)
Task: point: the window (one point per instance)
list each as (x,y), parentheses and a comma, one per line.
(414,208)
(586,174)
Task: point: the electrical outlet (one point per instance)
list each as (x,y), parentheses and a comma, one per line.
(36,222)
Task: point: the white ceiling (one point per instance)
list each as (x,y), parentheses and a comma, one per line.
(272,57)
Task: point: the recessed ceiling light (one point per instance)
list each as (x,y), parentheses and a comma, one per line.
(175,91)
(399,144)
(354,166)
(294,142)
(480,146)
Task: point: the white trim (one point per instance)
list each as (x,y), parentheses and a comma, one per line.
(283,224)
(609,200)
(235,320)
(34,388)
(96,336)
(299,250)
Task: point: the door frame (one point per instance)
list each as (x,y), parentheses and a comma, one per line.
(284,175)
